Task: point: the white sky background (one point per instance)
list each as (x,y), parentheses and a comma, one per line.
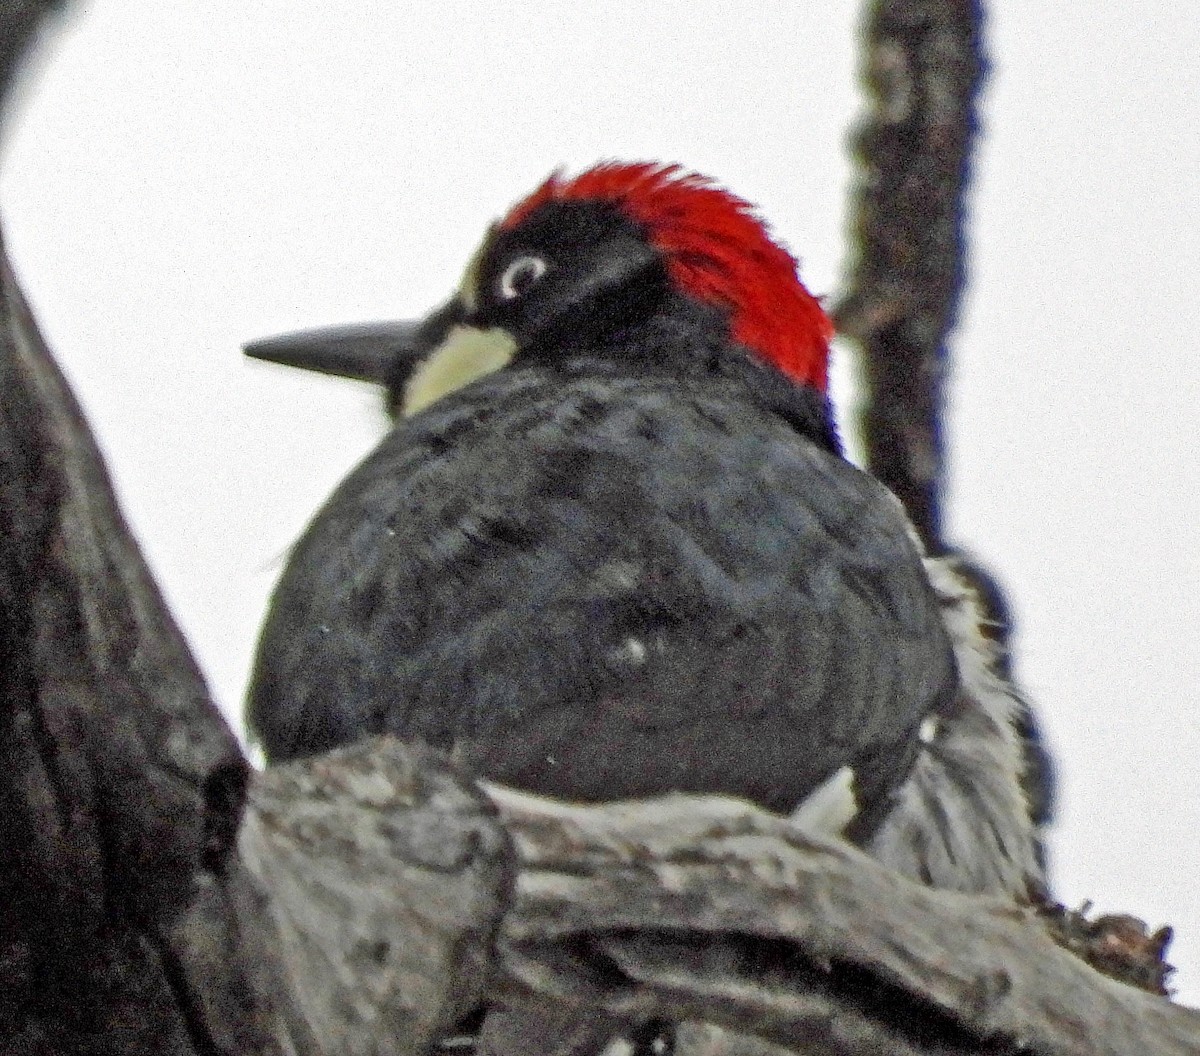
(184,178)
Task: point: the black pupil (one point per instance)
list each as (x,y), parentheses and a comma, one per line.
(522,275)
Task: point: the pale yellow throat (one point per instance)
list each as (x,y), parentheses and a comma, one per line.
(467,353)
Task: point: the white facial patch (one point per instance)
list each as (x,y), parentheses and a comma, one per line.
(466,354)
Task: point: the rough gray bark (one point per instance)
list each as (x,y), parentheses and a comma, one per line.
(728,914)
(120,786)
(684,908)
(381,875)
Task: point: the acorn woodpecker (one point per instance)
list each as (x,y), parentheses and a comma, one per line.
(611,547)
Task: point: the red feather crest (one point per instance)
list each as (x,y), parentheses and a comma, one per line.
(717,250)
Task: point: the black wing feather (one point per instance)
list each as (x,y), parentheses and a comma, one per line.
(611,588)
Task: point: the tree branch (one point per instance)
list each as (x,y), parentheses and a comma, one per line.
(380,875)
(924,66)
(684,908)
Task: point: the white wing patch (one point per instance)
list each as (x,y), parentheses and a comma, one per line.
(831,807)
(960,820)
(928,730)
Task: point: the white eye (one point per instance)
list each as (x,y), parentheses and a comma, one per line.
(519,276)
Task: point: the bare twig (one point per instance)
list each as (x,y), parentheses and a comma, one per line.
(924,65)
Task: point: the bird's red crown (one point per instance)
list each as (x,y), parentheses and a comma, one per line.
(717,250)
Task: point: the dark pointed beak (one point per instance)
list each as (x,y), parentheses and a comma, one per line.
(375,352)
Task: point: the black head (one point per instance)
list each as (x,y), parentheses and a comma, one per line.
(573,274)
(581,264)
